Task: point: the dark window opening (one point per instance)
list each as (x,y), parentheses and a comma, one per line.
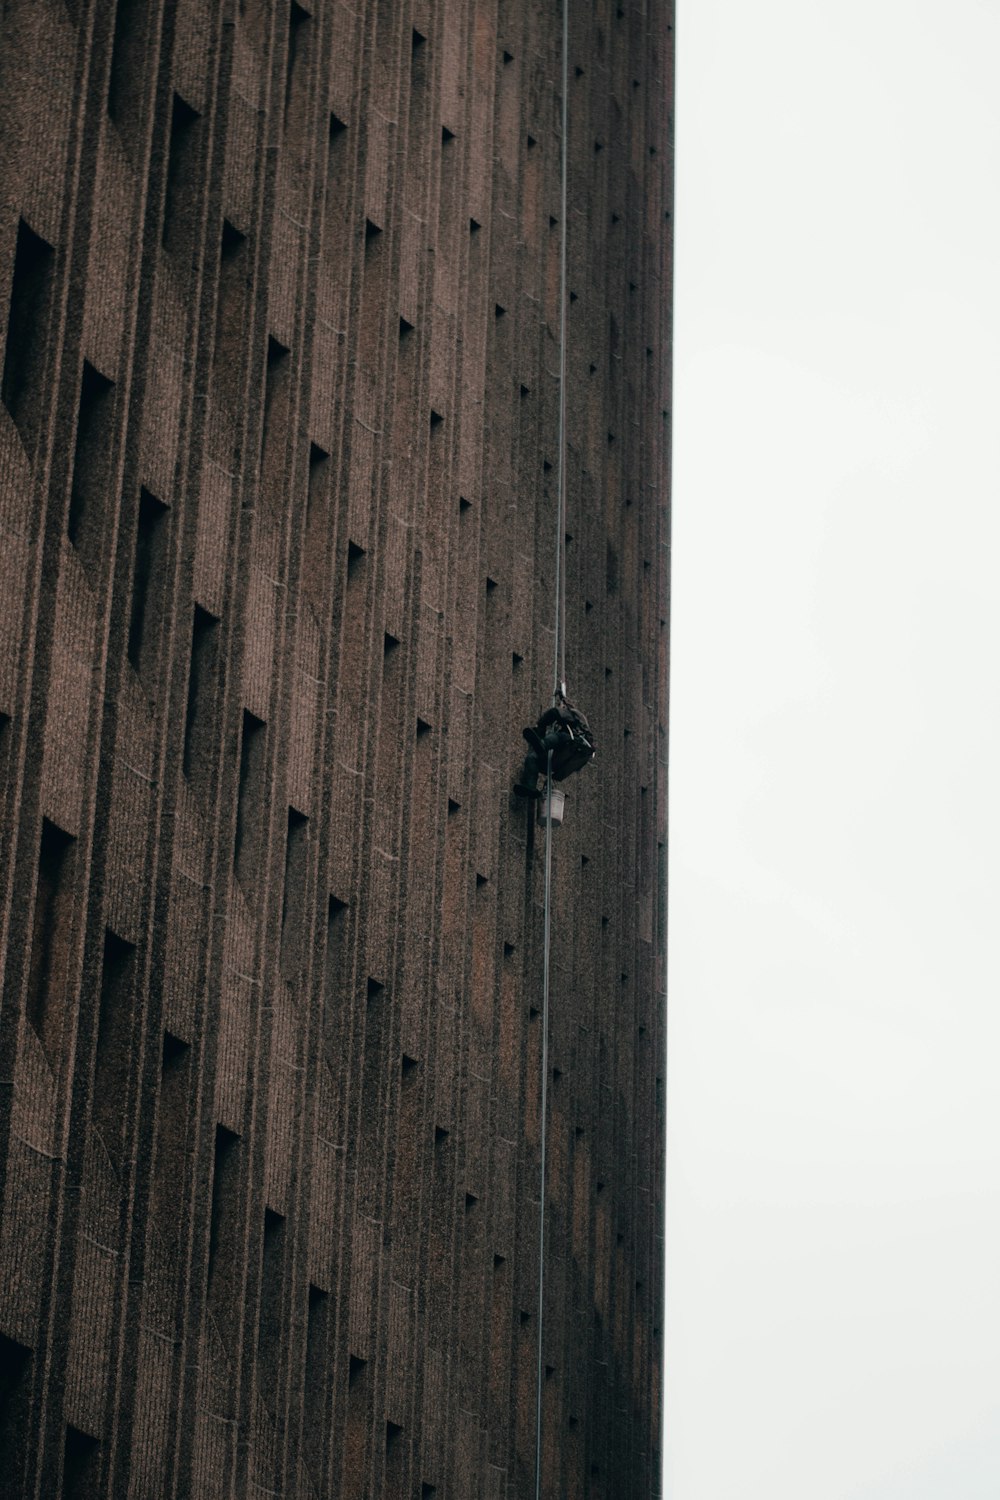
(230,312)
(297,22)
(318,1361)
(248,845)
(114,1031)
(180,201)
(199,722)
(147,580)
(15,1396)
(355,556)
(334,1021)
(223,1271)
(277,387)
(127,57)
(81,1466)
(356,1439)
(270,1326)
(337,229)
(51,938)
(171,1155)
(27,327)
(293,906)
(314,557)
(91,468)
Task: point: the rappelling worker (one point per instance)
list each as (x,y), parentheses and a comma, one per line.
(563,730)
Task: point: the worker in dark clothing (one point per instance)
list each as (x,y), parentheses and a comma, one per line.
(563,730)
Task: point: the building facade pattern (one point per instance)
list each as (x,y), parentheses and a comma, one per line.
(278,453)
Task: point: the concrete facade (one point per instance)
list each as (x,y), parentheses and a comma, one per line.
(279,298)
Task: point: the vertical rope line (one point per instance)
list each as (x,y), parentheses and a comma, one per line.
(558,683)
(543,1124)
(559,653)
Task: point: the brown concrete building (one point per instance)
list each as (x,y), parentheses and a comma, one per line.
(279,447)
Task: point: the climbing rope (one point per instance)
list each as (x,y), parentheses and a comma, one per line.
(547,949)
(558,687)
(559,651)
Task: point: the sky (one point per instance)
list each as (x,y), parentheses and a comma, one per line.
(833,1168)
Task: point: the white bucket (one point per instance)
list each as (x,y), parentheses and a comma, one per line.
(558,805)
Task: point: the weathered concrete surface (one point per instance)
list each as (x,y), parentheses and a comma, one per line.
(277,508)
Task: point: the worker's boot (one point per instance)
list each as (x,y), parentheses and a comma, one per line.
(528,784)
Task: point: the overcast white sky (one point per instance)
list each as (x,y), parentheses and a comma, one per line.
(833,1230)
